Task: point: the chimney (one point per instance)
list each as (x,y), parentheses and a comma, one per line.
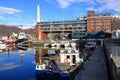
(90,13)
(38,14)
(38,25)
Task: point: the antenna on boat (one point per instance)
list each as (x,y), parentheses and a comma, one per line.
(50,30)
(20,28)
(63,28)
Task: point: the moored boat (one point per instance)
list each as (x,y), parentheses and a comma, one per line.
(2,45)
(59,65)
(21,38)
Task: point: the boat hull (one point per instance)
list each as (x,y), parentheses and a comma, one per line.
(51,75)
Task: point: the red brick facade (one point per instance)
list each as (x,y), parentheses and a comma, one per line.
(40,35)
(90,12)
(99,23)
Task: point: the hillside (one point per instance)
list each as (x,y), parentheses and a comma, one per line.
(4,30)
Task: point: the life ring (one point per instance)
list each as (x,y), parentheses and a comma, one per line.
(66,60)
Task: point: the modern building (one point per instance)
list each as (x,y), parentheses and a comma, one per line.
(58,29)
(67,29)
(99,22)
(63,28)
(78,35)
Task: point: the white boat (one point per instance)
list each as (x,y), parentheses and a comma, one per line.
(59,66)
(55,45)
(21,35)
(64,44)
(70,55)
(21,38)
(2,45)
(73,44)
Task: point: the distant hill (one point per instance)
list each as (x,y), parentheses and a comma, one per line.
(5,29)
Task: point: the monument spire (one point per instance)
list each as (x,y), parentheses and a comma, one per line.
(38,14)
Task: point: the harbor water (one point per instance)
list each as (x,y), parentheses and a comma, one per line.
(20,64)
(17,65)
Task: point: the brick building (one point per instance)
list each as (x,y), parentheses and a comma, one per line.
(99,22)
(76,28)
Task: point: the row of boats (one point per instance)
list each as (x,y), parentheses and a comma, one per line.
(5,43)
(60,44)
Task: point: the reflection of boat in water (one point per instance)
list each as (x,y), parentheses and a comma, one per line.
(50,69)
(22,47)
(58,66)
(2,45)
(22,53)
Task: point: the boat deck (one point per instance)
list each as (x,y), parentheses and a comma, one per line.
(95,68)
(67,67)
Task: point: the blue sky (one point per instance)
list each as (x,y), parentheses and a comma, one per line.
(24,11)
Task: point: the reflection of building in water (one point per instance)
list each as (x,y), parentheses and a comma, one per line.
(39,54)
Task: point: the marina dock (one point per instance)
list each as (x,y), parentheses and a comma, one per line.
(95,67)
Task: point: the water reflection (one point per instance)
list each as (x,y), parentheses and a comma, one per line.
(8,66)
(16,64)
(20,64)
(39,54)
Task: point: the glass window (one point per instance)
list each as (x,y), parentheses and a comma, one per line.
(68,57)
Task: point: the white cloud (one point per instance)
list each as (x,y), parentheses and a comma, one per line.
(102,4)
(50,1)
(65,3)
(9,66)
(8,10)
(109,4)
(27,26)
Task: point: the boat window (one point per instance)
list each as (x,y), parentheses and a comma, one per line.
(68,57)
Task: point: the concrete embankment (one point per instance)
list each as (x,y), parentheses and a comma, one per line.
(112,52)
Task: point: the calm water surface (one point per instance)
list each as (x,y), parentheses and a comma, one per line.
(18,65)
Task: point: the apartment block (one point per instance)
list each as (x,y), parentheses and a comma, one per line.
(99,22)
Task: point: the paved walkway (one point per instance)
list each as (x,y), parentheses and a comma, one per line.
(95,67)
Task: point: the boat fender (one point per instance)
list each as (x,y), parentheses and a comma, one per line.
(65,60)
